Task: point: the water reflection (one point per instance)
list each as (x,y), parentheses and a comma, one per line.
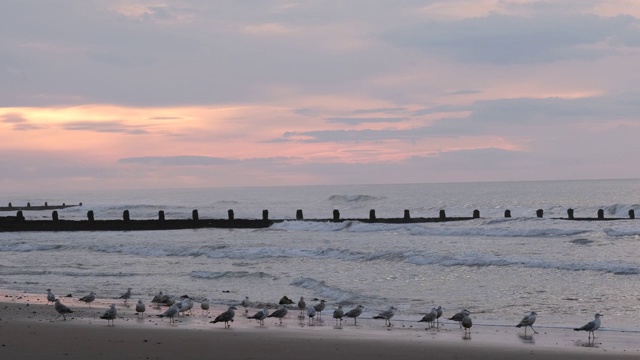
(527,339)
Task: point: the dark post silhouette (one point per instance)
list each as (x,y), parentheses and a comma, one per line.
(28,204)
(632,214)
(336,215)
(90,215)
(10,206)
(231,215)
(443,215)
(600,214)
(54,215)
(63,204)
(265,214)
(161,215)
(539,213)
(407,215)
(46,204)
(476,214)
(299,214)
(19,216)
(125,215)
(372,214)
(194,215)
(507,213)
(80,204)
(570,214)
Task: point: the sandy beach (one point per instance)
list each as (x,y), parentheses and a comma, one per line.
(30,329)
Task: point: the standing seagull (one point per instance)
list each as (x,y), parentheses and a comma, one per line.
(438,316)
(354,313)
(170,313)
(591,326)
(140,308)
(157,299)
(50,297)
(126,296)
(387,315)
(89,298)
(110,315)
(319,307)
(204,305)
(279,314)
(528,321)
(302,306)
(459,316)
(338,314)
(466,322)
(260,316)
(226,316)
(311,313)
(245,303)
(430,317)
(61,309)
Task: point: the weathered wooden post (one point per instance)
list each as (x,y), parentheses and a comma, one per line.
(570,214)
(265,214)
(600,214)
(65,205)
(336,215)
(507,213)
(10,206)
(443,215)
(372,214)
(161,215)
(299,215)
(539,213)
(194,215)
(476,214)
(46,204)
(407,215)
(632,214)
(19,216)
(54,215)
(125,215)
(231,215)
(28,204)
(90,215)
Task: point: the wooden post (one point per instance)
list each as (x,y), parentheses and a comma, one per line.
(570,214)
(125,215)
(265,214)
(407,216)
(507,213)
(336,215)
(10,206)
(19,216)
(539,213)
(443,215)
(90,215)
(231,215)
(476,214)
(600,214)
(372,214)
(299,214)
(194,215)
(46,204)
(632,214)
(161,215)
(54,215)
(28,204)
(80,204)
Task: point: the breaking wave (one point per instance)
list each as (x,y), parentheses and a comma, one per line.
(216,275)
(321,289)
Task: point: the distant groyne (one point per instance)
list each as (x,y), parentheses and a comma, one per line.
(28,206)
(19,223)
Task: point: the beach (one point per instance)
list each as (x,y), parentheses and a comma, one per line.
(30,329)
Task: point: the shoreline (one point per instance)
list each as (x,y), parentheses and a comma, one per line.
(31,329)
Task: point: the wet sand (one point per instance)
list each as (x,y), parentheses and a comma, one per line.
(29,329)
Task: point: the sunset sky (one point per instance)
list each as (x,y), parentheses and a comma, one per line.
(163,94)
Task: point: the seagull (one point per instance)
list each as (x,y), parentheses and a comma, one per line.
(279,314)
(311,313)
(439,310)
(204,305)
(319,307)
(245,303)
(158,298)
(458,317)
(185,305)
(466,322)
(387,315)
(338,314)
(140,308)
(354,313)
(89,298)
(302,306)
(110,314)
(126,296)
(170,313)
(169,300)
(226,316)
(50,296)
(61,309)
(260,316)
(591,326)
(528,321)
(430,317)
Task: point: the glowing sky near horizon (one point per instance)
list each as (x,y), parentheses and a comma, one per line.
(152,94)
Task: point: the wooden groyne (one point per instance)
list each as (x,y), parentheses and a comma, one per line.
(19,223)
(28,207)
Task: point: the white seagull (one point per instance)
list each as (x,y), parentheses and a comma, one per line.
(591,326)
(140,308)
(387,315)
(528,321)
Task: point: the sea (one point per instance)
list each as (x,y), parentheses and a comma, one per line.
(498,268)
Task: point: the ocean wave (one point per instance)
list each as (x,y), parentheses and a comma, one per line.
(353,198)
(159,251)
(621,232)
(215,275)
(26,247)
(327,292)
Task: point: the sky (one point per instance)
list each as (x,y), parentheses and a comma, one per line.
(127,94)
